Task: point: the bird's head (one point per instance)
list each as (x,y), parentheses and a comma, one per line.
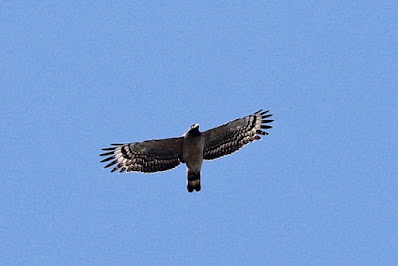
(193,130)
(194,126)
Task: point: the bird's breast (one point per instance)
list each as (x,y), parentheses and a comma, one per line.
(192,151)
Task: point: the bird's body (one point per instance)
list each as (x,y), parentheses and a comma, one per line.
(192,148)
(192,155)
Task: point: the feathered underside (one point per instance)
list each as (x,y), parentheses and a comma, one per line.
(232,136)
(164,154)
(146,156)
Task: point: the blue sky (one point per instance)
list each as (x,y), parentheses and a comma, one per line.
(320,189)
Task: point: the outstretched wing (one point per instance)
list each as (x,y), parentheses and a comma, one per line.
(146,156)
(233,135)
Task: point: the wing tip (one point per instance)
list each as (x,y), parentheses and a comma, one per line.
(264,123)
(117,144)
(106,153)
(107,159)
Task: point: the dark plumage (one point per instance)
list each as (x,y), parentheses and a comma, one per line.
(192,148)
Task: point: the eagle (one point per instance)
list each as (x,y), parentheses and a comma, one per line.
(191,148)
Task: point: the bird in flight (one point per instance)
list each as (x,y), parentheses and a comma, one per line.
(191,148)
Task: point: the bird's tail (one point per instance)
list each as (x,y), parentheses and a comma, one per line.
(193,181)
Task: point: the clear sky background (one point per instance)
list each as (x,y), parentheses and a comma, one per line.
(320,189)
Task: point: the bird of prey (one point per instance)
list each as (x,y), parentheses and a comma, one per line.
(191,148)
